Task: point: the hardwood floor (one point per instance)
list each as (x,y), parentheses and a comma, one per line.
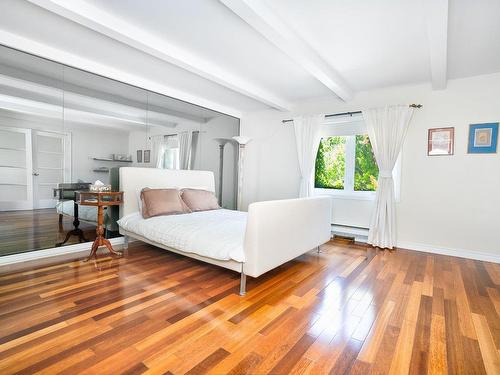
(156,312)
(22,231)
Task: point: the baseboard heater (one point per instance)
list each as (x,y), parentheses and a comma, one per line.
(358,234)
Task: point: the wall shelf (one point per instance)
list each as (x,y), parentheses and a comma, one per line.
(113,160)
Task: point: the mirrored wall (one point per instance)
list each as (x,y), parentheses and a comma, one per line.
(62,129)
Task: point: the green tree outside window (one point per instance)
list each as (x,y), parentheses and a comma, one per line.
(330,163)
(366,169)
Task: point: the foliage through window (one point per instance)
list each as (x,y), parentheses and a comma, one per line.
(365,169)
(346,163)
(330,163)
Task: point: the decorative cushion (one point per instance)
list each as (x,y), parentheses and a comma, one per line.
(199,200)
(156,202)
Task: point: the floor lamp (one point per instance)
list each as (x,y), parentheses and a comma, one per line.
(242,142)
(222,143)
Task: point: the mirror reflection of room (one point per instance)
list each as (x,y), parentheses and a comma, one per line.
(63,130)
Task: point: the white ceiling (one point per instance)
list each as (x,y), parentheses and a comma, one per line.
(244,55)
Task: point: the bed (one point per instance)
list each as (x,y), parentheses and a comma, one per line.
(253,243)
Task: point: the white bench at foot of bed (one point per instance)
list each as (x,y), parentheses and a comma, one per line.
(276,231)
(281,230)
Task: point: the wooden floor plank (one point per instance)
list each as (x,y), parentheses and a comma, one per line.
(437,347)
(349,309)
(489,352)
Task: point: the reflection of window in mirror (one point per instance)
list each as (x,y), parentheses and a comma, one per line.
(177,151)
(170,151)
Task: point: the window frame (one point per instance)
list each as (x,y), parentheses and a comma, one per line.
(349,127)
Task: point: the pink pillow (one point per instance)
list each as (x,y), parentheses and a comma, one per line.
(157,202)
(199,200)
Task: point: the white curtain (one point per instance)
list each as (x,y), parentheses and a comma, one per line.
(307,136)
(387,129)
(158,144)
(185,149)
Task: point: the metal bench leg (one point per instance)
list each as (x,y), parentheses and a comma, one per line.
(243,284)
(125,242)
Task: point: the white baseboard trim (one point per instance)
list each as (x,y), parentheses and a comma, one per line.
(361,235)
(460,253)
(53,252)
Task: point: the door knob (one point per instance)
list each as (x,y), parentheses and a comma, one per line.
(35,174)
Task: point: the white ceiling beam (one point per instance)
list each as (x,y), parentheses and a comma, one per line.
(436,14)
(260,17)
(111,26)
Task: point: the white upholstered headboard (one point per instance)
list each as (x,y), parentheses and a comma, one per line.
(133,180)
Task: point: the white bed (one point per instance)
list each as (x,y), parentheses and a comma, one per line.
(270,234)
(217,234)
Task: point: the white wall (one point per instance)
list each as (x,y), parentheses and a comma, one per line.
(96,142)
(448,203)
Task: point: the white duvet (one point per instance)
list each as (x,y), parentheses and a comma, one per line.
(216,234)
(85,213)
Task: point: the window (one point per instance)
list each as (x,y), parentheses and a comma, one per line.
(365,166)
(330,163)
(346,163)
(171,158)
(170,153)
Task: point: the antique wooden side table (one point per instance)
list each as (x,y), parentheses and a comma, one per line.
(100,200)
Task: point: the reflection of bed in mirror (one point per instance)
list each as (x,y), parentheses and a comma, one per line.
(83,213)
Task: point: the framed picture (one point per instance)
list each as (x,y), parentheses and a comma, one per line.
(483,138)
(147,156)
(441,141)
(139,156)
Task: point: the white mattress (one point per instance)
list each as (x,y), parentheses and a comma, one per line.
(85,213)
(216,234)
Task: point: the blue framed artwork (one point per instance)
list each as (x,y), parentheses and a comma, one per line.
(483,138)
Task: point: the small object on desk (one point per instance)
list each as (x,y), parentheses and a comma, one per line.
(100,199)
(99,186)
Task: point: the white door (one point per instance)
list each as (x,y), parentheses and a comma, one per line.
(51,166)
(16,182)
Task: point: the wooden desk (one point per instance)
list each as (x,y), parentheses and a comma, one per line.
(100,200)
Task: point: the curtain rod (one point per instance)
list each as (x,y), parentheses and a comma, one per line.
(352,113)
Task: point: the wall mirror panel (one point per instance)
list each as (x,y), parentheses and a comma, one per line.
(62,129)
